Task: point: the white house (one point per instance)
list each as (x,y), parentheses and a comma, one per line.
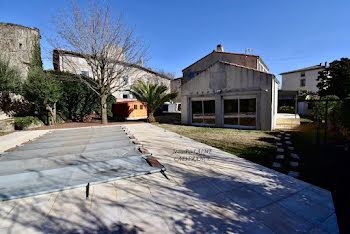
(229,90)
(303,80)
(70,61)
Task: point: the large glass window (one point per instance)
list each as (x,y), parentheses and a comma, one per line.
(231,112)
(197,112)
(247,112)
(240,112)
(209,112)
(203,112)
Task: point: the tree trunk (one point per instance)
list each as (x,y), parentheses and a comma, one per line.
(104,109)
(52,114)
(151,118)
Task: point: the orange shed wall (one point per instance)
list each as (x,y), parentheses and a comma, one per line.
(137,112)
(126,110)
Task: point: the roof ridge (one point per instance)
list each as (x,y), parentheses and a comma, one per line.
(223,52)
(317,66)
(237,65)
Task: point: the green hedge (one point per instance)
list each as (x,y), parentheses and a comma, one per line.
(24,122)
(286,109)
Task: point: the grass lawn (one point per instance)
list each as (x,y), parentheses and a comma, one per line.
(255,146)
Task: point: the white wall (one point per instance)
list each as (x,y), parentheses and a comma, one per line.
(222,80)
(76,65)
(291,81)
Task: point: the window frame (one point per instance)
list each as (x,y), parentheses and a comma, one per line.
(202,100)
(239,111)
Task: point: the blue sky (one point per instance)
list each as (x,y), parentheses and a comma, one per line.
(286,34)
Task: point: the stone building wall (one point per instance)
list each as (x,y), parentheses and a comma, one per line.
(16,44)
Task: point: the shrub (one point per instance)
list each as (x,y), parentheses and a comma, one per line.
(319,109)
(286,109)
(24,122)
(78,100)
(340,115)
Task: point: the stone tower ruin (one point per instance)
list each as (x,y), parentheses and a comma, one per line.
(17,43)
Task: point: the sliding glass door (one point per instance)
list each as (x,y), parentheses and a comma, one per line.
(203,112)
(240,112)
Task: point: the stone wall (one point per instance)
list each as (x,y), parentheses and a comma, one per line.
(16,44)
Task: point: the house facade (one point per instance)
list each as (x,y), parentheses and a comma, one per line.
(303,80)
(70,61)
(17,45)
(219,93)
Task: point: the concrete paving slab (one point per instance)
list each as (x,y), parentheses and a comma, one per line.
(280,150)
(232,195)
(294,156)
(293,174)
(304,206)
(282,220)
(279,156)
(16,138)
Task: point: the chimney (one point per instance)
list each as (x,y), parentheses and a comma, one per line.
(141,62)
(325,64)
(219,48)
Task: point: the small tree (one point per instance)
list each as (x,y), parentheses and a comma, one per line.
(10,77)
(153,94)
(107,45)
(41,88)
(10,85)
(335,79)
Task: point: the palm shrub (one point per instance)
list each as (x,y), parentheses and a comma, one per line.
(153,94)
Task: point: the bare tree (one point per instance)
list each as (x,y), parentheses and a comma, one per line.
(171,75)
(101,43)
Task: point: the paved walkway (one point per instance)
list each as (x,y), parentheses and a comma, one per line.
(16,138)
(217,192)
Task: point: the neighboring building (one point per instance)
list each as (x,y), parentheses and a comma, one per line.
(17,43)
(246,60)
(129,110)
(78,65)
(218,92)
(175,87)
(303,80)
